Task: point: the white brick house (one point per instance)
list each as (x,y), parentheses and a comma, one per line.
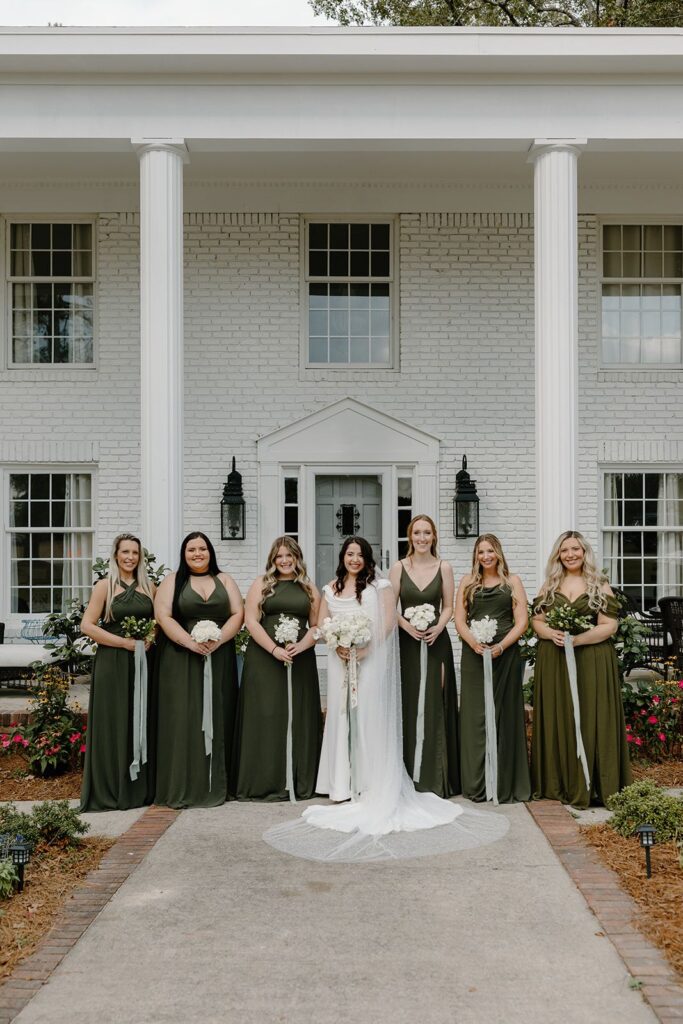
(314,251)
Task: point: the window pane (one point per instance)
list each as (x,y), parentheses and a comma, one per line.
(673,264)
(339,350)
(653,265)
(405,490)
(339,263)
(379,264)
(611,237)
(18,513)
(39,486)
(317,263)
(404,517)
(317,350)
(360,350)
(291,519)
(61,236)
(339,236)
(611,264)
(317,236)
(339,321)
(360,236)
(317,322)
(631,264)
(40,236)
(380,236)
(360,264)
(61,264)
(291,489)
(380,350)
(40,264)
(673,237)
(632,237)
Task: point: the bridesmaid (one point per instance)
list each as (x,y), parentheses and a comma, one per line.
(490,589)
(422,578)
(260,761)
(186,775)
(573,579)
(126,591)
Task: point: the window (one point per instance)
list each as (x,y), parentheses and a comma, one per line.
(50,539)
(349,279)
(291,508)
(641,294)
(404,512)
(643,534)
(51,293)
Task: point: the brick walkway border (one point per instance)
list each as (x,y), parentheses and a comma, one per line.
(81,909)
(613,907)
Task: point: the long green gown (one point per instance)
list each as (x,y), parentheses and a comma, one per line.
(107,784)
(182,764)
(556,772)
(440,772)
(259,765)
(513,767)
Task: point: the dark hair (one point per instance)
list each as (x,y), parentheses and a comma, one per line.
(183,571)
(367,573)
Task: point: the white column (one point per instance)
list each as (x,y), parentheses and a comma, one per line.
(161,343)
(556,305)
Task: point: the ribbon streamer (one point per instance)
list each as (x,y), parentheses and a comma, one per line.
(207,713)
(574,690)
(352,672)
(491,755)
(139,710)
(420,724)
(290,760)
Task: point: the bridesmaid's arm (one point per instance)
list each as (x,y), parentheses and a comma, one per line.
(308,640)
(92,615)
(395,578)
(520,616)
(460,619)
(232,626)
(605,628)
(448,596)
(163,608)
(253,621)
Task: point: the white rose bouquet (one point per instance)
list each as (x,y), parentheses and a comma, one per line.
(287,630)
(421,616)
(205,631)
(352,630)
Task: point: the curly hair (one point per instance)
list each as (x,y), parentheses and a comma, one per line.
(367,573)
(477,576)
(555,573)
(300,570)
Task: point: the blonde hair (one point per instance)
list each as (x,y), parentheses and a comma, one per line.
(555,573)
(409,533)
(300,570)
(113,577)
(477,575)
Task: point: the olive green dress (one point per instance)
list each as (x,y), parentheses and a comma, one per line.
(556,772)
(513,766)
(182,778)
(440,772)
(260,769)
(107,784)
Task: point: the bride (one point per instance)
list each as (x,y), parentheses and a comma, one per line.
(384,816)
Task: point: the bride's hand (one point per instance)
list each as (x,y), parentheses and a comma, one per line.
(344,653)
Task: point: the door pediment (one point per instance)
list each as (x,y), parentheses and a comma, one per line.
(348,430)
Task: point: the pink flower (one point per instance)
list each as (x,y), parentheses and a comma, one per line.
(16,739)
(680,684)
(25,743)
(630,738)
(628,728)
(661,736)
(5,741)
(643,711)
(652,720)
(639,742)
(655,700)
(74,737)
(82,748)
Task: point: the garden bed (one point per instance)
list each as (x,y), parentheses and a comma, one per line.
(17,783)
(667,773)
(51,876)
(660,898)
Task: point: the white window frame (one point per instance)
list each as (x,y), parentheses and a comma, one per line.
(393,282)
(637,221)
(13,620)
(641,470)
(49,218)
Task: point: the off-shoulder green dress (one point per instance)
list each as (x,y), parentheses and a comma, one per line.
(107,785)
(556,772)
(440,772)
(513,765)
(259,761)
(182,765)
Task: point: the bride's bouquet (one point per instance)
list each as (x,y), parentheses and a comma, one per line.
(421,616)
(351,630)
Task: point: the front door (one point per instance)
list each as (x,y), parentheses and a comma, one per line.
(345,506)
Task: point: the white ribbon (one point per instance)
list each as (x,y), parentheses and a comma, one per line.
(139,710)
(351,675)
(207,713)
(491,755)
(420,724)
(290,762)
(574,690)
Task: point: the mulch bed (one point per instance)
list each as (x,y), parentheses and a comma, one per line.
(659,898)
(50,878)
(666,773)
(17,784)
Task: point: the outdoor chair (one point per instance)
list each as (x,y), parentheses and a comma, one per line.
(657,646)
(672,618)
(32,631)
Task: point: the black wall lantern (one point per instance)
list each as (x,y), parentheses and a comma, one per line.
(465,504)
(232,507)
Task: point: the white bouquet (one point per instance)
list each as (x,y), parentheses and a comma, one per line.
(421,616)
(352,630)
(205,631)
(484,630)
(287,630)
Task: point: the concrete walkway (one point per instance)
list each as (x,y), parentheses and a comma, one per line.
(216,926)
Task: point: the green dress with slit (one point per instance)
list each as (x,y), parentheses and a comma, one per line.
(513,766)
(186,776)
(440,771)
(107,785)
(259,763)
(556,772)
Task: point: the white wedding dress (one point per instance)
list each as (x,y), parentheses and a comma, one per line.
(388,818)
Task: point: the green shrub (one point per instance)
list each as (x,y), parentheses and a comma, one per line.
(48,822)
(644,802)
(8,878)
